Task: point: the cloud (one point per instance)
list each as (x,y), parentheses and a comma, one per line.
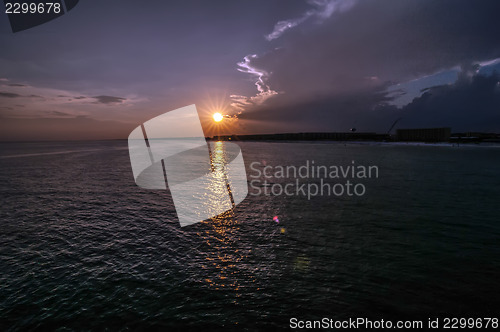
(108,99)
(470,104)
(9,95)
(265,92)
(282,26)
(323,10)
(41,102)
(59,114)
(366,49)
(367,111)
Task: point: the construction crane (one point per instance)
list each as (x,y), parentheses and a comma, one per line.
(389,131)
(393,124)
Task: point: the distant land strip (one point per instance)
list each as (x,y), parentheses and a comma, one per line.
(417,135)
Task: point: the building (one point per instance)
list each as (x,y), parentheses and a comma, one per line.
(424,135)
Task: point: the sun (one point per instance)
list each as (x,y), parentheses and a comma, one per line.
(218,117)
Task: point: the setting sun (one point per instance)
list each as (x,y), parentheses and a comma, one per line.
(218,117)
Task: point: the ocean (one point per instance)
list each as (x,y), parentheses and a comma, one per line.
(83,247)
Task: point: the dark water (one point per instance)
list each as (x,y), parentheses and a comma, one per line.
(82,247)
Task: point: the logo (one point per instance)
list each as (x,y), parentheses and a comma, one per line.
(205,179)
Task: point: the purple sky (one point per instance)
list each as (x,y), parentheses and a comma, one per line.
(272,66)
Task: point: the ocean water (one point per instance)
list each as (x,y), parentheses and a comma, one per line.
(83,247)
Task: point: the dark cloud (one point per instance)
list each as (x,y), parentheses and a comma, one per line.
(58,113)
(471,104)
(109,99)
(374,44)
(17,85)
(366,110)
(393,42)
(73,97)
(9,95)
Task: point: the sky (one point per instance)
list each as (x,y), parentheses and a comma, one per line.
(105,67)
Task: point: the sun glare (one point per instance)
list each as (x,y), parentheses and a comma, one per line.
(218,117)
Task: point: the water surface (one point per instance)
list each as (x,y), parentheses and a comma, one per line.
(82,246)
